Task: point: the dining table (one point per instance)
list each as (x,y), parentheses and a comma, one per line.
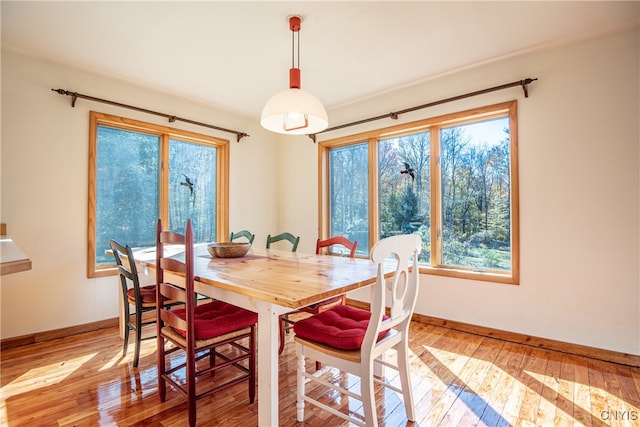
(273,282)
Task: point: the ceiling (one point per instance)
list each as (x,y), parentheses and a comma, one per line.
(235,55)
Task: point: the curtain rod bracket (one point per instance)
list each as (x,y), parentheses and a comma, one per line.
(393,115)
(75,95)
(312,136)
(525,83)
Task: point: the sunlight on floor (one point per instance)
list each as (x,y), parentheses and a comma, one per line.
(44,376)
(147,348)
(479,391)
(606,406)
(558,399)
(114,361)
(39,377)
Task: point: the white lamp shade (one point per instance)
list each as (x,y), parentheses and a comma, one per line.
(294,112)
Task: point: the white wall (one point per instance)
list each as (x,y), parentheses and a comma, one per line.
(579,192)
(44,156)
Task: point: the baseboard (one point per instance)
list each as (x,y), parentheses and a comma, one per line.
(545,343)
(56,333)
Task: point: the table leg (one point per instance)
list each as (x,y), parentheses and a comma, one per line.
(268,336)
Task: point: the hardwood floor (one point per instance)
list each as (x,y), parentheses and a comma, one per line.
(459,379)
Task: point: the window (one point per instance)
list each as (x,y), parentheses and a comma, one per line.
(452,179)
(349,196)
(129,188)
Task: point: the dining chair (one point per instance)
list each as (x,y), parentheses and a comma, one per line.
(339,241)
(142,298)
(354,340)
(243,233)
(294,240)
(197,332)
(286,322)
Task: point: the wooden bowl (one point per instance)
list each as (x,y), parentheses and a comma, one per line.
(229,249)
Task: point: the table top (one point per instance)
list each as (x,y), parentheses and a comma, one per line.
(289,279)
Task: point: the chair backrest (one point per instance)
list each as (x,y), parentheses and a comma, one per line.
(127,270)
(337,240)
(401,289)
(284,236)
(172,288)
(243,233)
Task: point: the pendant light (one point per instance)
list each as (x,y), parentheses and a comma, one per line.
(294,111)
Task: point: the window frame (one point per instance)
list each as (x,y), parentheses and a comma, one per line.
(165,134)
(433,125)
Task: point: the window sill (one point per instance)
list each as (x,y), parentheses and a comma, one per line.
(483,276)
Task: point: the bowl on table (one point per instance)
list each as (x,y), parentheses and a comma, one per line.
(228,249)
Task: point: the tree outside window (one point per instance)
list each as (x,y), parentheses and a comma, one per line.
(349,204)
(450,179)
(130,188)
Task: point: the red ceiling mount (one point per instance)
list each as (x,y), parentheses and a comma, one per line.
(294,71)
(294,23)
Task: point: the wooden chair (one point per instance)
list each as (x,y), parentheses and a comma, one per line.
(339,241)
(286,323)
(243,233)
(142,298)
(198,331)
(354,340)
(284,236)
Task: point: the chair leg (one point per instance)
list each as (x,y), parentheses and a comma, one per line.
(405,381)
(368,397)
(283,325)
(212,360)
(136,357)
(300,384)
(191,386)
(127,319)
(162,386)
(252,364)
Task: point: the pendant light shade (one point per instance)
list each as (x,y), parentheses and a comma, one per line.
(294,111)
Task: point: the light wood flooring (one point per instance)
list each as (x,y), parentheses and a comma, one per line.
(459,379)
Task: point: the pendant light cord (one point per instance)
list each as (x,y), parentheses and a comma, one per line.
(293,49)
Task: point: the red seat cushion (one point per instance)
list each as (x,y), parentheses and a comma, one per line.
(218,318)
(341,327)
(147,293)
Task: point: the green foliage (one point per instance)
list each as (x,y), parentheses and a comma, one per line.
(474,194)
(128,186)
(405,215)
(349,188)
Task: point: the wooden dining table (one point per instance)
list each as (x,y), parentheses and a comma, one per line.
(273,282)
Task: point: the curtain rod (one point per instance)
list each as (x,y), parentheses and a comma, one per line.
(75,95)
(394,115)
